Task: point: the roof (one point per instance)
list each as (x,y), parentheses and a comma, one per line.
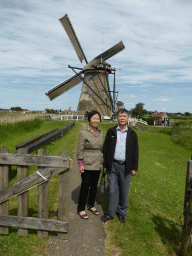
(159,115)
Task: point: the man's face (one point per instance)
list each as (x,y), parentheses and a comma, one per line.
(122,118)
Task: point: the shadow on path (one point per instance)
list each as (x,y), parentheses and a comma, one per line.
(86,237)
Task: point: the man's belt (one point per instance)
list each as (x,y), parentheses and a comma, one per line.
(119,162)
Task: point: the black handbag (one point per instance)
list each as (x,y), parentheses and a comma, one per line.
(102,183)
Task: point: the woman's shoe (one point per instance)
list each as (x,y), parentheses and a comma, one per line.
(83,216)
(95,212)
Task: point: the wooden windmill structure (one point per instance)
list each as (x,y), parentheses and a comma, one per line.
(95,92)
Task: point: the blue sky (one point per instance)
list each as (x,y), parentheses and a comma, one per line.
(155,68)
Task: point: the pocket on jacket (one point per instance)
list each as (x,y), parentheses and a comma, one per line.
(90,159)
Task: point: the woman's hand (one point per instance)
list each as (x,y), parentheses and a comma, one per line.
(81,169)
(104,170)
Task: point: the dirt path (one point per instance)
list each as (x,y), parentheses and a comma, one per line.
(86,237)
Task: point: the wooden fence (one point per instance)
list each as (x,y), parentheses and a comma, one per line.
(34,139)
(186,219)
(48,166)
(57,134)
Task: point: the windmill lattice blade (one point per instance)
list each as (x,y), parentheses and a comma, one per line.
(65,21)
(64,86)
(111,52)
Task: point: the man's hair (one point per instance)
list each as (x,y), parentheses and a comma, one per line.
(92,113)
(122,110)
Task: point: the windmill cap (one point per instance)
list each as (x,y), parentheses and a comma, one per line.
(97,63)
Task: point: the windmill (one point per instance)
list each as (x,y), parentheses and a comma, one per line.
(95,91)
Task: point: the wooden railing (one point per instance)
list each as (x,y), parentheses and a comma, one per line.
(34,139)
(48,166)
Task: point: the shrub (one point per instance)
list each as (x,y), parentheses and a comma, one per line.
(149,120)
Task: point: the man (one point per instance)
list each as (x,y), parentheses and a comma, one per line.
(120,152)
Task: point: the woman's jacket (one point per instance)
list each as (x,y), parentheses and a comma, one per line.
(90,148)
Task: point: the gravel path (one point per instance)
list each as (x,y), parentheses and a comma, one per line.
(86,237)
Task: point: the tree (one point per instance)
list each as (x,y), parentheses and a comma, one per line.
(187,114)
(138,111)
(16,108)
(51,111)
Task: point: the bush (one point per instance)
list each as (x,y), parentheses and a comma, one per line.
(149,120)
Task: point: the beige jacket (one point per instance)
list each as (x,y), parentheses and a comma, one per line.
(90,148)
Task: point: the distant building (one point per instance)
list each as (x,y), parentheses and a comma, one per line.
(68,111)
(161,118)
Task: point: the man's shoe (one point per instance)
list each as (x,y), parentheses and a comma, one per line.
(105,218)
(121,218)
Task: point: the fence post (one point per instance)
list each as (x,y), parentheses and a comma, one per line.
(64,196)
(186,230)
(22,172)
(4,207)
(43,197)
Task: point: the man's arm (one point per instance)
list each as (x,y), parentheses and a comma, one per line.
(135,154)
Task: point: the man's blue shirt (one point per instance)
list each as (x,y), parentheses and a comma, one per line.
(120,148)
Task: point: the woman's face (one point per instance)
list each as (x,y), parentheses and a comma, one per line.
(94,121)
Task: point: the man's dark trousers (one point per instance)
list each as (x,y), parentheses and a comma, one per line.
(118,190)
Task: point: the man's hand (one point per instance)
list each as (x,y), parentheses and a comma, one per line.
(81,169)
(104,170)
(133,172)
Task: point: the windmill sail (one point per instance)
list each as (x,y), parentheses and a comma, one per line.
(64,86)
(65,21)
(112,51)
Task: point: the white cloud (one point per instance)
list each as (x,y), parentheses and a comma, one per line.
(162,99)
(35,50)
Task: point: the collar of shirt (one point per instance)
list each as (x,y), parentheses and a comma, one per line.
(119,129)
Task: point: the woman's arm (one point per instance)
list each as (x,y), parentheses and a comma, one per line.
(80,146)
(80,151)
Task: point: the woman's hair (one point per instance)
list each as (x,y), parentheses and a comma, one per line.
(92,113)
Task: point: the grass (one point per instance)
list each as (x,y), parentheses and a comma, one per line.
(155,201)
(12,245)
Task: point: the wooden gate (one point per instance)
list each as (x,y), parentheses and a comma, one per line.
(48,166)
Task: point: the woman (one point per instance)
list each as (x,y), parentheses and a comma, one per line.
(90,160)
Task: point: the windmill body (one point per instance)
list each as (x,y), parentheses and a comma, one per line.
(88,99)
(95,92)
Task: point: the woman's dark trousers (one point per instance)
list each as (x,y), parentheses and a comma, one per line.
(89,180)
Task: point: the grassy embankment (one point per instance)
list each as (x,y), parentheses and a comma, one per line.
(155,202)
(12,245)
(181,132)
